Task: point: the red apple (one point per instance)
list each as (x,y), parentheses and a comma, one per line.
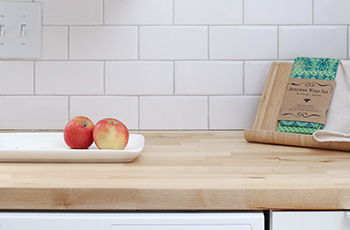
(110,133)
(78,133)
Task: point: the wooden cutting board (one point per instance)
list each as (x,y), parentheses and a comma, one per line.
(266,123)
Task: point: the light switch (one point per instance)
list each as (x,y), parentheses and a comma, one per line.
(2,30)
(23,29)
(20,30)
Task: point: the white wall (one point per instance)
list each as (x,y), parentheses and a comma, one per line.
(164,64)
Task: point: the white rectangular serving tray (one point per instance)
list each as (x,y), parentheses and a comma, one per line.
(50,147)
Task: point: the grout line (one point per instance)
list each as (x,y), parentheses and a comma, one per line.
(208,45)
(138,113)
(313,12)
(68,42)
(201,25)
(149,60)
(243,77)
(34,69)
(138,43)
(278,43)
(103,12)
(174,78)
(130,95)
(243,12)
(156,60)
(347,42)
(208,113)
(104,77)
(68,108)
(173,12)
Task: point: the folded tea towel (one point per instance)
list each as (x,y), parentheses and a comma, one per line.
(309,68)
(337,127)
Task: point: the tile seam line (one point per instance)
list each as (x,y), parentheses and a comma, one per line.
(207,24)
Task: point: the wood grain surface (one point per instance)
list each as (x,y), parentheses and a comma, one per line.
(190,170)
(272,96)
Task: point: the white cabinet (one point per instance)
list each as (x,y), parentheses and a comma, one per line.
(132,221)
(310,220)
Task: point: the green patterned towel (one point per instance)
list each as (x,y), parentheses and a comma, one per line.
(309,68)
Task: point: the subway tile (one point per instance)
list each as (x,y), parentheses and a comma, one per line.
(232,112)
(72,12)
(313,41)
(103,43)
(255,75)
(173,112)
(33,112)
(208,77)
(139,78)
(331,12)
(17,77)
(208,12)
(68,77)
(96,108)
(55,43)
(243,42)
(278,12)
(138,12)
(173,42)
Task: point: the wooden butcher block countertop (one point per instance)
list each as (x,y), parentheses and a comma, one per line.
(190,170)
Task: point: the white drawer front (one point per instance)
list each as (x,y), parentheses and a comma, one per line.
(313,220)
(184,227)
(132,221)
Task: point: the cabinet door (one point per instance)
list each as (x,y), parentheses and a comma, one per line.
(333,220)
(132,221)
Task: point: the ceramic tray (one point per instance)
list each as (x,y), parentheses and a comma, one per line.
(50,147)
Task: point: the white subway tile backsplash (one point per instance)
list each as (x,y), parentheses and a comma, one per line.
(208,12)
(255,75)
(332,12)
(313,41)
(103,43)
(55,43)
(232,112)
(33,112)
(139,77)
(164,64)
(72,12)
(124,109)
(173,42)
(208,77)
(17,77)
(243,42)
(278,11)
(68,78)
(138,12)
(174,112)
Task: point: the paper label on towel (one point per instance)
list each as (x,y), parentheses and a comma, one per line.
(307,100)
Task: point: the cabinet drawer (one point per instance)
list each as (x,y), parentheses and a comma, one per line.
(132,221)
(313,220)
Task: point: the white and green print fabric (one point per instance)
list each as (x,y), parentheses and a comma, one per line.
(309,68)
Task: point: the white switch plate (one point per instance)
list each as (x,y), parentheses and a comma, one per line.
(21,23)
